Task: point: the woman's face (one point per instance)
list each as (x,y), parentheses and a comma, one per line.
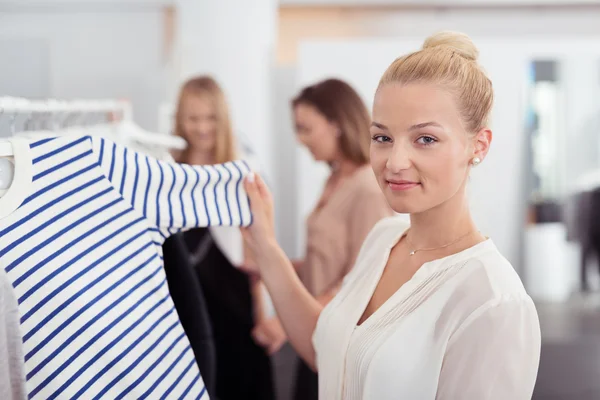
(320,136)
(420,152)
(199,122)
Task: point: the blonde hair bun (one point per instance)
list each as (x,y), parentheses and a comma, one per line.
(457,42)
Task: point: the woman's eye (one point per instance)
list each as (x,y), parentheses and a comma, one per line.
(380,138)
(426,140)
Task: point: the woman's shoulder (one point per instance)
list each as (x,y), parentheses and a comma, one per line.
(364,180)
(385,231)
(483,286)
(364,191)
(496,272)
(488,279)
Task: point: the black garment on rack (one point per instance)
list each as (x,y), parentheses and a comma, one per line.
(243,367)
(591,240)
(307,382)
(582,219)
(190,304)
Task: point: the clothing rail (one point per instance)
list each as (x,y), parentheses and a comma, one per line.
(57,115)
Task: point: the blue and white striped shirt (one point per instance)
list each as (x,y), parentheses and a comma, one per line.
(81,231)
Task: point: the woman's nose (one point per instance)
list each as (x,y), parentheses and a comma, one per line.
(399,159)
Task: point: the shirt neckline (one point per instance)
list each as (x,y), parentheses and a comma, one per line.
(22,179)
(345,185)
(422,273)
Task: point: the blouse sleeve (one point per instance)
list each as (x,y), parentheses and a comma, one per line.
(174,196)
(494,355)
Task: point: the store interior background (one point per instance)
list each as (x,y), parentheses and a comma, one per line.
(542,56)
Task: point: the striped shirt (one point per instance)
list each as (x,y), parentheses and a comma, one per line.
(81,230)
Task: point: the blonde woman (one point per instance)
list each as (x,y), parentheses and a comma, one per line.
(431,309)
(234,301)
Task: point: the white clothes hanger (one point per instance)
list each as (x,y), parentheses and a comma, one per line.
(7,168)
(54,118)
(130,131)
(156,145)
(6,149)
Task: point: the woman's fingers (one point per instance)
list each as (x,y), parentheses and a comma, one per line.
(261,339)
(251,188)
(263,189)
(257,189)
(251,269)
(259,195)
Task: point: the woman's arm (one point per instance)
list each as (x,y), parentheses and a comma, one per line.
(268,331)
(297,264)
(298,311)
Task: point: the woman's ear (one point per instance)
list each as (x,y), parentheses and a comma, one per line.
(481,143)
(335,128)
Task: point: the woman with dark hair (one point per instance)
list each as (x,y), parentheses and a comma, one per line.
(332,121)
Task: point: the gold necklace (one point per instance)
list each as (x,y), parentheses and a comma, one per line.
(413,252)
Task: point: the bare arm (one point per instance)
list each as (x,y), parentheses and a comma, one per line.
(329,294)
(255,284)
(297,264)
(258,301)
(298,311)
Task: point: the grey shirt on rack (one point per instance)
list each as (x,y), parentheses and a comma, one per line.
(12,364)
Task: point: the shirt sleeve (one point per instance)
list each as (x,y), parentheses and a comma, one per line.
(175,197)
(494,355)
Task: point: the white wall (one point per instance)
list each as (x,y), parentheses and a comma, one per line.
(497,188)
(284,177)
(112,53)
(234,41)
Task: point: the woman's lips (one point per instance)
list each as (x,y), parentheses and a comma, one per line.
(402,185)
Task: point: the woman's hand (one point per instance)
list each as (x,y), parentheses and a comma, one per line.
(269,334)
(261,233)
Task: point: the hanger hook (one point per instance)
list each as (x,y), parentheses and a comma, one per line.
(29,120)
(60,121)
(12,122)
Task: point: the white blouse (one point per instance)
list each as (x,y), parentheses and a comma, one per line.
(462,328)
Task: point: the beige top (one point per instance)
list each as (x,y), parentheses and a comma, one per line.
(337,229)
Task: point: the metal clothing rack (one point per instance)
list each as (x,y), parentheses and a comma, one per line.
(52,115)
(56,115)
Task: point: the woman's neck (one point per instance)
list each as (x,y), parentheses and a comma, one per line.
(443,224)
(200,158)
(343,167)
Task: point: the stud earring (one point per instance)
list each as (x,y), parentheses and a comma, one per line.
(476,161)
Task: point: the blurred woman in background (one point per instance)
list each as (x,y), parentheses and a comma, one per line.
(333,123)
(234,301)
